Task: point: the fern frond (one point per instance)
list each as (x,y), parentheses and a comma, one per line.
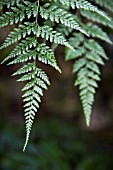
(31,9)
(88,55)
(95,48)
(75,42)
(78,40)
(16,15)
(68,3)
(49,34)
(32,97)
(26,56)
(87,87)
(65,31)
(97,32)
(60,15)
(21,48)
(97,18)
(93,67)
(106,3)
(38,78)
(84,4)
(70,55)
(94,57)
(17,34)
(9,3)
(46,55)
(25,69)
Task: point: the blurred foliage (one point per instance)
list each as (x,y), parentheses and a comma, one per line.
(56,145)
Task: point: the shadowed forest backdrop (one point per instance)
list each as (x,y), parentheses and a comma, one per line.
(60,139)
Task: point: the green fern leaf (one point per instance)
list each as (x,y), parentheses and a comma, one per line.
(33,92)
(84,4)
(9,3)
(94,57)
(95,31)
(97,18)
(59,15)
(25,69)
(49,34)
(106,3)
(95,47)
(46,56)
(22,48)
(88,54)
(30,54)
(70,55)
(17,34)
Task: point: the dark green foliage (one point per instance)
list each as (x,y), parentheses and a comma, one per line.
(31,37)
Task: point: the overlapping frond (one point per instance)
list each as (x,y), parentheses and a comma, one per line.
(88,56)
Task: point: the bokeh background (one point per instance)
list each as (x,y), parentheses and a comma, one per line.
(60,139)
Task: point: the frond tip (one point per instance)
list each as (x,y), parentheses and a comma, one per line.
(88,119)
(32,98)
(88,55)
